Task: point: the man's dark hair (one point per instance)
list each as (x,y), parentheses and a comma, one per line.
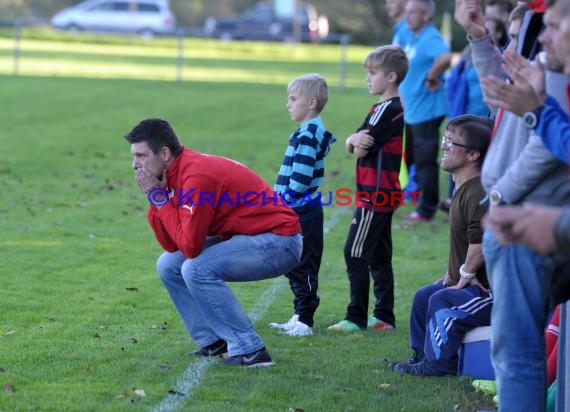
(157,133)
(475,130)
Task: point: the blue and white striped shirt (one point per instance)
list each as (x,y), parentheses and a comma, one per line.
(303,166)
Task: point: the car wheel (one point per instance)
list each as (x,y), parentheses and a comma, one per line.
(73,28)
(146,34)
(225,36)
(275,29)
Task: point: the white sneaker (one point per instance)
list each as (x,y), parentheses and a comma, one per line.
(286,326)
(300,329)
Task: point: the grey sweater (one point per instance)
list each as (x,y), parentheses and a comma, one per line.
(517,163)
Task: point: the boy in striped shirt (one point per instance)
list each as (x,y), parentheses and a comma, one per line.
(377,146)
(299,178)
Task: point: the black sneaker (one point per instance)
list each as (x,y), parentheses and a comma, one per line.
(415,358)
(251,360)
(421,368)
(218,348)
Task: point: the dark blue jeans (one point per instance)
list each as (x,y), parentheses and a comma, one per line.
(425,140)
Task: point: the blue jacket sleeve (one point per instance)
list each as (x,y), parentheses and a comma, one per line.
(554,129)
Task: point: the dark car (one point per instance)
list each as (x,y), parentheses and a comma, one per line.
(262,22)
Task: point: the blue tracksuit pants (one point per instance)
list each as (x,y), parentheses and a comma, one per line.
(440,318)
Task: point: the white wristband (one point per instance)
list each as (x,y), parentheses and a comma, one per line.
(464,274)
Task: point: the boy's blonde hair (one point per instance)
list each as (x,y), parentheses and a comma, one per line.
(389,58)
(311,85)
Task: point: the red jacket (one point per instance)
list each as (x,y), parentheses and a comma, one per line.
(537,6)
(216,196)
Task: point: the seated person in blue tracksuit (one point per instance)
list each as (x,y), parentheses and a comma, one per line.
(443,312)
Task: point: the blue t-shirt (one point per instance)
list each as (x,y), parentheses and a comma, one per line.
(402,33)
(463,90)
(475,103)
(421,105)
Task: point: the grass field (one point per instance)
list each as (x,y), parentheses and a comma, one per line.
(85,324)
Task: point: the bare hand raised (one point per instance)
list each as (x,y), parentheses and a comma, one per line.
(147,181)
(468,14)
(525,94)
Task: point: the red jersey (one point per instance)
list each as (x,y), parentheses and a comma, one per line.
(377,174)
(215,196)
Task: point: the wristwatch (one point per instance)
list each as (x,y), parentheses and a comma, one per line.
(530,119)
(496,198)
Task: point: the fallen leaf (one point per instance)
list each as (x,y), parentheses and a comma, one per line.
(124,393)
(384,386)
(140,392)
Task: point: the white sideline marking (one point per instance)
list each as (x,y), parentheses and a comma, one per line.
(333,219)
(196,371)
(189,379)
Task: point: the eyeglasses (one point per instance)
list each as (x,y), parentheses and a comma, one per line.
(447,142)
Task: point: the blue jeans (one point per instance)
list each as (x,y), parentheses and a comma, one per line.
(520,281)
(207,306)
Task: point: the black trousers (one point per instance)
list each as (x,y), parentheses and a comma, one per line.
(368,253)
(425,140)
(304,279)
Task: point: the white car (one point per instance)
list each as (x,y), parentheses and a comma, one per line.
(146,17)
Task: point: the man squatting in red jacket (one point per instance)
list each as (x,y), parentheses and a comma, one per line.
(218,222)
